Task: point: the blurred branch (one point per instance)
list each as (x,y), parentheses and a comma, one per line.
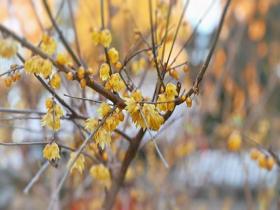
(36,177)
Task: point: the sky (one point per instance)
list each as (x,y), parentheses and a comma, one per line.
(198,8)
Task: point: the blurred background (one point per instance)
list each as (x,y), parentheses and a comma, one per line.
(240,92)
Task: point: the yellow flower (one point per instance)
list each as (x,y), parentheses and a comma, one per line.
(48,44)
(81,72)
(58,111)
(91,124)
(46,68)
(38,65)
(69,76)
(104,71)
(113,55)
(49,103)
(51,121)
(95,37)
(105,38)
(8,48)
(83,83)
(189,102)
(101,173)
(104,109)
(173,73)
(118,65)
(169,95)
(55,81)
(133,107)
(137,96)
(79,163)
(8,82)
(51,152)
(115,83)
(270,162)
(52,118)
(61,59)
(153,119)
(163,106)
(112,122)
(234,141)
(171,90)
(102,137)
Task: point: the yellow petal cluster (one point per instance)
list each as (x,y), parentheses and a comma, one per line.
(8,48)
(51,152)
(48,44)
(113,121)
(103,37)
(169,95)
(113,55)
(234,141)
(101,173)
(62,59)
(91,124)
(115,83)
(79,163)
(102,136)
(104,109)
(104,72)
(55,81)
(95,36)
(52,118)
(152,119)
(38,65)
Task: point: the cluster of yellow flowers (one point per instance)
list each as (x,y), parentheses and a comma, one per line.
(146,115)
(102,136)
(115,83)
(48,44)
(51,152)
(38,65)
(234,141)
(52,118)
(8,48)
(100,173)
(102,37)
(264,161)
(169,95)
(79,164)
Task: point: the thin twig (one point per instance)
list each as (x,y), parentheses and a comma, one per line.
(36,177)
